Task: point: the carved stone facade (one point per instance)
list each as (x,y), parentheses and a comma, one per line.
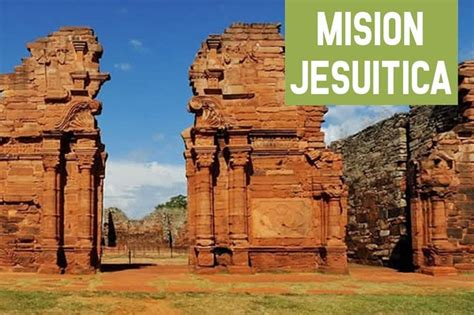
(263,191)
(52,160)
(442,199)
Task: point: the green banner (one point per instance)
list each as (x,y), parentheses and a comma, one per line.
(371,52)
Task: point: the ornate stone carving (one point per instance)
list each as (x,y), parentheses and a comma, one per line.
(239,159)
(207,108)
(205,160)
(50,162)
(79,116)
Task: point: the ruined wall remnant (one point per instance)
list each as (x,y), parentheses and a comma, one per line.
(442,205)
(435,181)
(51,156)
(375,169)
(264,192)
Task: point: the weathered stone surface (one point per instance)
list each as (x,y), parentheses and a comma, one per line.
(263,191)
(375,163)
(51,156)
(416,170)
(146,234)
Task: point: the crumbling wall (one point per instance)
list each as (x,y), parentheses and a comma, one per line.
(425,122)
(375,163)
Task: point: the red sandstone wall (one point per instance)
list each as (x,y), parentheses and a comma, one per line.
(263,191)
(51,157)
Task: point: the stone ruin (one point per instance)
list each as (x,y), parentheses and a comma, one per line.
(442,197)
(411,187)
(263,191)
(51,156)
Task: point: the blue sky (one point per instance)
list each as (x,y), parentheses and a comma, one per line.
(149,46)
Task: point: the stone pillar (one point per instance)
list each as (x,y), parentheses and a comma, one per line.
(100,212)
(49,219)
(204,205)
(50,238)
(86,161)
(336,250)
(50,215)
(190,171)
(238,217)
(439,235)
(334,214)
(440,251)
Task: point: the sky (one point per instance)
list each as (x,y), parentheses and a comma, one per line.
(148,48)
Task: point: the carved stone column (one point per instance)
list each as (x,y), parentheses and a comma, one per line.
(49,219)
(190,172)
(100,211)
(238,217)
(437,183)
(50,208)
(239,158)
(336,250)
(439,236)
(439,252)
(86,161)
(204,205)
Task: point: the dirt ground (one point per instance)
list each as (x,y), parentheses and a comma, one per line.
(173,277)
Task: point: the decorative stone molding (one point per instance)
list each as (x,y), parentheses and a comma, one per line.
(207,110)
(80,116)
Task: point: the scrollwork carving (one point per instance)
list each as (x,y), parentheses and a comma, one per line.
(207,108)
(79,115)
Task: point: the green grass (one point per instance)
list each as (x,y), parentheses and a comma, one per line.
(19,302)
(462,303)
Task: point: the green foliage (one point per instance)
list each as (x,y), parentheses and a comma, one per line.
(118,214)
(172,217)
(176,202)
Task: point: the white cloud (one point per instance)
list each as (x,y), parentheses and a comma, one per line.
(137,187)
(345,120)
(123,66)
(135,43)
(157,137)
(138,45)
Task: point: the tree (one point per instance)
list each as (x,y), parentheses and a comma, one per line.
(176,202)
